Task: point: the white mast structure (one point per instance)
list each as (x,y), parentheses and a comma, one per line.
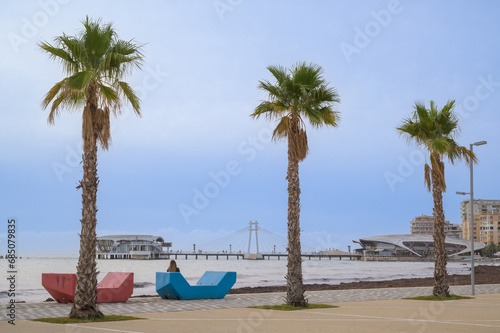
(257,255)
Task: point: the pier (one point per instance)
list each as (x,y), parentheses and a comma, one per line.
(264,245)
(254,243)
(265,256)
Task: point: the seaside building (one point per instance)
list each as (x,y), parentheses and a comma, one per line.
(480,207)
(486,227)
(424,225)
(132,247)
(486,220)
(412,245)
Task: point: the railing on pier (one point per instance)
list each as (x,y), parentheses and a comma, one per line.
(265,256)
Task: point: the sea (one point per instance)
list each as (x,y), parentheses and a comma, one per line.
(250,273)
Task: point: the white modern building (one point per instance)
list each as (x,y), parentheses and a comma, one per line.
(412,245)
(132,247)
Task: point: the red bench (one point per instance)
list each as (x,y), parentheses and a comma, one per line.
(60,286)
(115,287)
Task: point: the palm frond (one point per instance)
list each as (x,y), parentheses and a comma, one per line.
(439,145)
(270,109)
(65,56)
(102,118)
(108,93)
(66,99)
(281,131)
(307,77)
(328,117)
(280,73)
(275,92)
(298,145)
(80,80)
(52,93)
(427,176)
(54,111)
(109,98)
(131,96)
(56,52)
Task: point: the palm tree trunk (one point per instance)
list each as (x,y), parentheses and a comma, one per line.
(295,285)
(440,274)
(86,272)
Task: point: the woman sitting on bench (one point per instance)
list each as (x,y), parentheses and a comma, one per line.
(173,267)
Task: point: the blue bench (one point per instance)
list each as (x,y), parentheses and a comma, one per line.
(211,285)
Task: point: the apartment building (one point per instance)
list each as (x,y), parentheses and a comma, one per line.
(480,207)
(486,227)
(424,225)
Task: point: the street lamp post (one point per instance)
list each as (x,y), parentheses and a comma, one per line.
(471,207)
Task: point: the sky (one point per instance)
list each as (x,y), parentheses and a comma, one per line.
(196,167)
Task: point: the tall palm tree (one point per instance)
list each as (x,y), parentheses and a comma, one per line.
(435,130)
(300,94)
(95,61)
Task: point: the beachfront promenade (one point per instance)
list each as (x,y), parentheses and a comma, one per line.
(374,310)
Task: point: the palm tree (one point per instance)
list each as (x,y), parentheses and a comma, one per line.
(299,94)
(95,61)
(435,130)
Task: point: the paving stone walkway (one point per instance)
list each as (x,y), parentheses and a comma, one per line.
(157,305)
